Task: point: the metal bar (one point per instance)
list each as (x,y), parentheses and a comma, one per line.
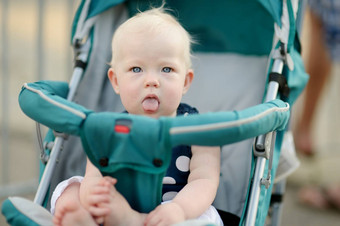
(58,146)
(255,191)
(78,71)
(47,175)
(273,88)
(5,90)
(59,141)
(271,94)
(278,66)
(75,80)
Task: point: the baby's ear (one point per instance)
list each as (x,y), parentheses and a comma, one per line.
(113,79)
(188,80)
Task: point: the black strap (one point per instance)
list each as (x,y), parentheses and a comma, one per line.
(81,64)
(229,219)
(276,198)
(283,85)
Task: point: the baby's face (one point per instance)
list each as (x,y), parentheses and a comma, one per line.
(150,74)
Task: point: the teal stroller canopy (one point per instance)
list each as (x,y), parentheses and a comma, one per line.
(239,33)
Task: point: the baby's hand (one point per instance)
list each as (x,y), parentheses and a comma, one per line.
(165,214)
(92,189)
(99,197)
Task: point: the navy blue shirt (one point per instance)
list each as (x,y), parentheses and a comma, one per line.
(178,172)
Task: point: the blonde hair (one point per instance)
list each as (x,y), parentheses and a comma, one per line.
(154,20)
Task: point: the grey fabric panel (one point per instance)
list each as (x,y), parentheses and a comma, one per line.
(225,82)
(32,210)
(95,92)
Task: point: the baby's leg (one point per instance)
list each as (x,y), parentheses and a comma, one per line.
(69,211)
(120,211)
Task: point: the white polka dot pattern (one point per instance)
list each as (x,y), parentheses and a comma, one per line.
(169,195)
(169,180)
(182,163)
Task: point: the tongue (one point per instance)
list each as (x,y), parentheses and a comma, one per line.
(150,104)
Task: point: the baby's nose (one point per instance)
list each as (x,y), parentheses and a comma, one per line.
(151,80)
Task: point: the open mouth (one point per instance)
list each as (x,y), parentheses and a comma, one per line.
(150,103)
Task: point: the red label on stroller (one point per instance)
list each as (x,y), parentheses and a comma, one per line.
(122,126)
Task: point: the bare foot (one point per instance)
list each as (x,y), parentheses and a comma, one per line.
(120,212)
(73,213)
(68,209)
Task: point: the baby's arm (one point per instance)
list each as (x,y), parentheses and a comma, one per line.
(93,193)
(68,206)
(68,201)
(196,197)
(104,202)
(91,178)
(91,185)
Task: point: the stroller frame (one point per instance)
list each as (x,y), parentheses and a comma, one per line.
(264,144)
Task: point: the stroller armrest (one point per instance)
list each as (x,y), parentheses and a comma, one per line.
(137,149)
(45,102)
(221,128)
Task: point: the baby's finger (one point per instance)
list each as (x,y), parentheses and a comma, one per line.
(56,221)
(100,190)
(99,211)
(95,199)
(111,180)
(99,220)
(153,222)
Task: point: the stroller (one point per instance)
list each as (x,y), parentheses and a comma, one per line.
(269,52)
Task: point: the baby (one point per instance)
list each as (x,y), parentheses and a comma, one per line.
(151,71)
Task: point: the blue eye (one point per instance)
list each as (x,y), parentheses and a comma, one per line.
(166,69)
(136,69)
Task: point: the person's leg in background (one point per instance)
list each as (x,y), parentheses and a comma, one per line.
(323,52)
(318,65)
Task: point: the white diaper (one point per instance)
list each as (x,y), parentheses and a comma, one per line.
(210,215)
(61,188)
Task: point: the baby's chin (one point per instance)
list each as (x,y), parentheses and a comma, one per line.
(157,115)
(154,114)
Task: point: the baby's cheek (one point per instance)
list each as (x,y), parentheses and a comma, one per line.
(174,99)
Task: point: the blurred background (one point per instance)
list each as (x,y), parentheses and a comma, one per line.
(35,45)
